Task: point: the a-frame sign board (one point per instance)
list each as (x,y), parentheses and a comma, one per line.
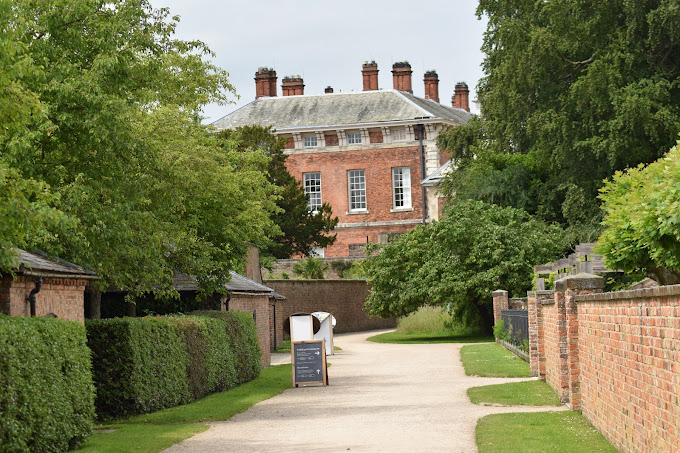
(309,362)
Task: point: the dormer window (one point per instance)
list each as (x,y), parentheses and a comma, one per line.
(310,141)
(354,138)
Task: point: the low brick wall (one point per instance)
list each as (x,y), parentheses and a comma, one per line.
(629,354)
(615,356)
(344,298)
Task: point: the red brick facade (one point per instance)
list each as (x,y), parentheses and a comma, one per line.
(615,356)
(380,216)
(258,305)
(60,297)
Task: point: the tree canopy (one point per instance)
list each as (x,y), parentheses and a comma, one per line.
(573,91)
(459,261)
(642,219)
(111,136)
(301,229)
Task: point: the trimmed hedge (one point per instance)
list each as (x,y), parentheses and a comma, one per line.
(210,367)
(46,391)
(139,365)
(242,335)
(146,364)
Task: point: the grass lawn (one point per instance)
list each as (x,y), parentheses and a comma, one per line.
(159,430)
(540,432)
(528,393)
(492,360)
(445,336)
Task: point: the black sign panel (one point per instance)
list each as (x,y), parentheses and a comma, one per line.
(309,362)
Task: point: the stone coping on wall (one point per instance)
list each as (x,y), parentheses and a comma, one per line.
(308,280)
(622,296)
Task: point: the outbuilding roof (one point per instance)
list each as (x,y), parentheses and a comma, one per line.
(365,107)
(38,265)
(238,284)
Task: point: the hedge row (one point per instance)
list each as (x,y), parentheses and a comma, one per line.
(46,391)
(242,335)
(145,364)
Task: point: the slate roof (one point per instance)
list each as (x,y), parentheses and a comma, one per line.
(237,284)
(39,265)
(365,107)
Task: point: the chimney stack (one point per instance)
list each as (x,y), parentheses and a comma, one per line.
(328,90)
(431,85)
(292,86)
(369,71)
(401,76)
(265,83)
(461,97)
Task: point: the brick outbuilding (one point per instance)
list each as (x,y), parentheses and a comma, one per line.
(365,153)
(45,287)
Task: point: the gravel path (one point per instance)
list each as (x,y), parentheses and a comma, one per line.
(382,397)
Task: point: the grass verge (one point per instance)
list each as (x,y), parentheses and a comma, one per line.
(469,335)
(159,430)
(539,432)
(528,393)
(492,360)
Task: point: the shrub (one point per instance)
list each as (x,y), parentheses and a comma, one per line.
(47,397)
(243,342)
(139,365)
(210,367)
(310,268)
(500,332)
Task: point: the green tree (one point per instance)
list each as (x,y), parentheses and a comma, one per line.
(457,262)
(27,207)
(642,219)
(302,230)
(573,91)
(120,144)
(312,268)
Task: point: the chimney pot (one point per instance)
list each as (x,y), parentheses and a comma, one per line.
(461,97)
(265,82)
(369,72)
(292,86)
(431,80)
(401,76)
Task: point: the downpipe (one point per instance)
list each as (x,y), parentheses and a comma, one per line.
(31,296)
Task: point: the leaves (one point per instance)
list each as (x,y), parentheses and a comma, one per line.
(457,262)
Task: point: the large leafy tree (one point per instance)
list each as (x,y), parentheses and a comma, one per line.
(27,208)
(302,230)
(642,219)
(573,91)
(119,142)
(457,262)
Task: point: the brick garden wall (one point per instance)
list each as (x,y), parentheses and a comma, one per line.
(629,354)
(344,298)
(259,305)
(60,297)
(615,356)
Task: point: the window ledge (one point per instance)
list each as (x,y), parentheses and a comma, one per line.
(358,212)
(401,209)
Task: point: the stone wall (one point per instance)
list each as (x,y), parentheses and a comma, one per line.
(343,298)
(60,297)
(615,356)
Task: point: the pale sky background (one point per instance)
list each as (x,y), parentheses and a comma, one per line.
(327,42)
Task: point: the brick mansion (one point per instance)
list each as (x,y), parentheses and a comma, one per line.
(371,154)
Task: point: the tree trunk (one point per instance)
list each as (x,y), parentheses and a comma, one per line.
(94,304)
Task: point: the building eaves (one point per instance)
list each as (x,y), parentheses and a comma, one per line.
(40,265)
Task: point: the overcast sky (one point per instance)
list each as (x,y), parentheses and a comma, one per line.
(326,42)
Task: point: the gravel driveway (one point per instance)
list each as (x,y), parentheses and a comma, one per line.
(382,397)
